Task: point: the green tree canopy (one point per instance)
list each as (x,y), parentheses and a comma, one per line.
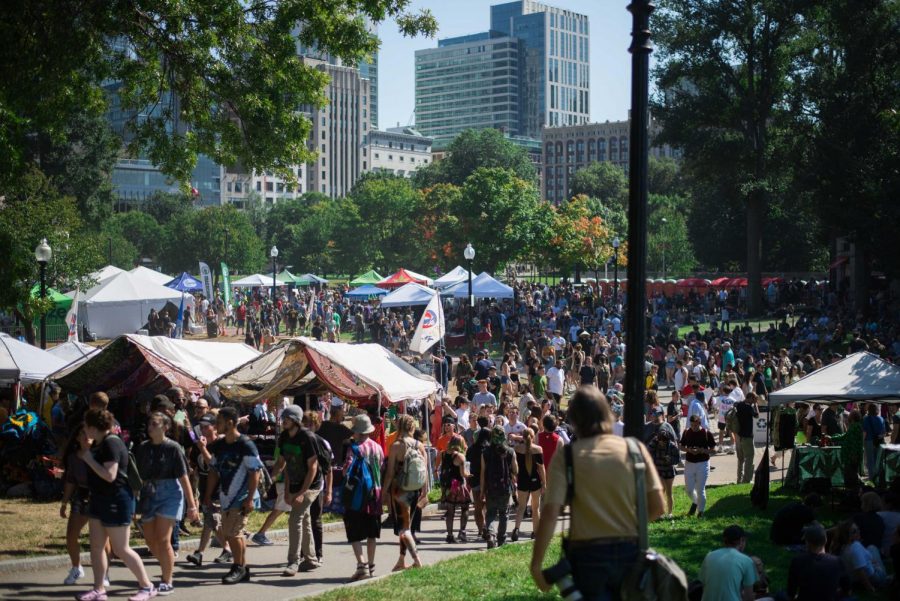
(602,181)
(140,230)
(387,208)
(476,148)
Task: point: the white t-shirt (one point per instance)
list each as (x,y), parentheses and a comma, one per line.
(559,343)
(462,418)
(516,428)
(556,379)
(616,324)
(619,428)
(725,403)
(680,378)
(737,395)
(484,398)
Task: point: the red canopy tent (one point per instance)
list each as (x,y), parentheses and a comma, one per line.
(693,283)
(403,277)
(719,282)
(736,283)
(767,281)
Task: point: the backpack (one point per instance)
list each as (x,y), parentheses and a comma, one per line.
(731,420)
(500,482)
(359,483)
(135,481)
(415,473)
(323,454)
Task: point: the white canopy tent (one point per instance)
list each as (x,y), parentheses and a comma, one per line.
(21,362)
(257,280)
(454,276)
(121,304)
(861,376)
(151,275)
(74,352)
(408,295)
(483,286)
(360,372)
(100,276)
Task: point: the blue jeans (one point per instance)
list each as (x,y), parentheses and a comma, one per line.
(599,570)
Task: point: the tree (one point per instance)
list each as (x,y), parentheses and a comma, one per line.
(664,176)
(228,69)
(472,149)
(669,248)
(165,207)
(724,72)
(387,208)
(436,224)
(603,181)
(140,230)
(33,210)
(579,238)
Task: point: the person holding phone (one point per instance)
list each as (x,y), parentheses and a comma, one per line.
(698,444)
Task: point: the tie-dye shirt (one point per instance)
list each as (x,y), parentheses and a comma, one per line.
(373,455)
(234,462)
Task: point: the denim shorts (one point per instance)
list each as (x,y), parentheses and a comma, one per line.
(113,510)
(80,500)
(600,569)
(168,502)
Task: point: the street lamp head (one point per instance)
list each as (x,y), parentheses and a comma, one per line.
(615,242)
(274,252)
(664,220)
(43,252)
(469,252)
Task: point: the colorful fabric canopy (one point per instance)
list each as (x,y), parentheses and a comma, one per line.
(404,276)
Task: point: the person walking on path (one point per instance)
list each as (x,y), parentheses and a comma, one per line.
(302,482)
(498,475)
(531,481)
(747,412)
(111,506)
(698,444)
(405,483)
(163,469)
(455,488)
(362,495)
(235,474)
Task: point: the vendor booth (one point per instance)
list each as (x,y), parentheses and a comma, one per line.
(257,280)
(363,373)
(410,295)
(366,292)
(452,277)
(151,275)
(21,362)
(404,276)
(369,277)
(483,286)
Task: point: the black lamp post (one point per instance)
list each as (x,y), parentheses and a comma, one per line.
(635,318)
(42,254)
(274,254)
(469,254)
(615,244)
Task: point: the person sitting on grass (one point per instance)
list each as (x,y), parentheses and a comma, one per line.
(789,521)
(815,575)
(863,565)
(727,573)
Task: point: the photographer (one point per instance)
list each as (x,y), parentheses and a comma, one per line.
(603,542)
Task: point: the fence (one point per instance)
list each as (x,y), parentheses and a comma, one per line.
(56,332)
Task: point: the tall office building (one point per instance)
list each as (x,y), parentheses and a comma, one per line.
(530,70)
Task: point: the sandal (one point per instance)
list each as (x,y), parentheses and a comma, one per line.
(371,570)
(361,573)
(399,566)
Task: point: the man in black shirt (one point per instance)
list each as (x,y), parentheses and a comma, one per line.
(816,575)
(830,423)
(335,432)
(789,521)
(747,412)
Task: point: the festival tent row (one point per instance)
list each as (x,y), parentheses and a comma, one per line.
(452,277)
(369,277)
(22,362)
(133,363)
(363,373)
(410,295)
(366,291)
(483,286)
(859,377)
(404,276)
(120,304)
(257,280)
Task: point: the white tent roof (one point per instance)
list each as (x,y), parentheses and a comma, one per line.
(19,361)
(483,286)
(858,377)
(205,361)
(73,352)
(151,275)
(107,272)
(408,295)
(356,371)
(126,287)
(454,276)
(257,279)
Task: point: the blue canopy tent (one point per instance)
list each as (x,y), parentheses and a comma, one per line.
(367,291)
(185,283)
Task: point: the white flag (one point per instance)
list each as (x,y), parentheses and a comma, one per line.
(431,326)
(206,278)
(72,318)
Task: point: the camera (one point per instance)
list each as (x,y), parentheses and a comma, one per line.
(560,574)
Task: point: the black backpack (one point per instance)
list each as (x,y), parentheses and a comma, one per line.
(499,483)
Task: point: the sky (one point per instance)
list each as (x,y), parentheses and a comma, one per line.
(610,62)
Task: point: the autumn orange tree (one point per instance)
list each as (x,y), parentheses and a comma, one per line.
(579,237)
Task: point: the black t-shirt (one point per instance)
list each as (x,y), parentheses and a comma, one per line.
(701,439)
(745,415)
(337,436)
(164,461)
(871,528)
(296,451)
(814,577)
(109,449)
(788,523)
(830,422)
(587,374)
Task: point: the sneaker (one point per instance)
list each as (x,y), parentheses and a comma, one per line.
(164,589)
(144,594)
(92,595)
(195,558)
(462,536)
(692,509)
(515,535)
(291,569)
(307,565)
(450,538)
(236,574)
(491,544)
(75,574)
(105,581)
(261,539)
(225,557)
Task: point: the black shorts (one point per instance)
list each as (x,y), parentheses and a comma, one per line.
(361,526)
(113,510)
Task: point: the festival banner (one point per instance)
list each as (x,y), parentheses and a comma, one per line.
(206,278)
(179,322)
(226,284)
(431,326)
(72,318)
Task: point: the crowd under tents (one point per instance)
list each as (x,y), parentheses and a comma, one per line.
(410,295)
(454,276)
(151,275)
(133,363)
(120,305)
(24,363)
(483,286)
(369,277)
(366,374)
(860,377)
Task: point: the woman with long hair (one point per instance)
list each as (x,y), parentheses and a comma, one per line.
(464,372)
(505,381)
(111,506)
(163,468)
(666,456)
(670,364)
(455,487)
(404,501)
(531,482)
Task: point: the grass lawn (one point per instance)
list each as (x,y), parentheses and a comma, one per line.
(506,575)
(759,325)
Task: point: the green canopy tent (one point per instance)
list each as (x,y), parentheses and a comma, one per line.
(287,277)
(309,279)
(370,277)
(56,316)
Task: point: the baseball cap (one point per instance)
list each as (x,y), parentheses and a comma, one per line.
(733,533)
(208,419)
(448,420)
(814,534)
(336,402)
(293,412)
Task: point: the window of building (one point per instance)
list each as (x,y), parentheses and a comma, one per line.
(323,134)
(601,149)
(377,156)
(364,166)
(323,175)
(425,161)
(323,161)
(269,186)
(280,187)
(238,187)
(268,200)
(390,144)
(259,186)
(390,157)
(623,148)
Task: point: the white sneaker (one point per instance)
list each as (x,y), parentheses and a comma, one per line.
(75,574)
(106,581)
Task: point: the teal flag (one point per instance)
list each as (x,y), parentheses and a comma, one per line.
(226,283)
